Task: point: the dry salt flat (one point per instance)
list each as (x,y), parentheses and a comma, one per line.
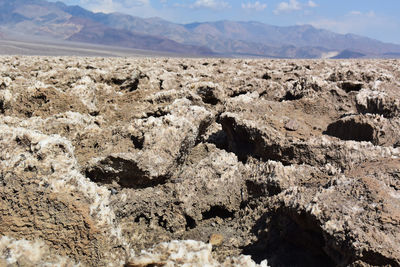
(199,162)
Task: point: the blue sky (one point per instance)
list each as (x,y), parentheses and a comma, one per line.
(378,19)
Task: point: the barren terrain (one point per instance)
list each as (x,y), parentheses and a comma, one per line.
(204,162)
(20,45)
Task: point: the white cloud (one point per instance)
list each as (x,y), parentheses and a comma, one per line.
(355,13)
(257,6)
(212,4)
(370,14)
(287,6)
(108,6)
(293,5)
(312,4)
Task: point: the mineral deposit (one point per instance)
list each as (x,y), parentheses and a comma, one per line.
(203,162)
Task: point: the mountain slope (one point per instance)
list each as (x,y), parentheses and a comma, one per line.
(92,32)
(348,54)
(57,21)
(234,37)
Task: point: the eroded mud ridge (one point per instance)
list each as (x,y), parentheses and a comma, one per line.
(105,162)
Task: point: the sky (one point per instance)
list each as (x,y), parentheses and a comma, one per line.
(379,19)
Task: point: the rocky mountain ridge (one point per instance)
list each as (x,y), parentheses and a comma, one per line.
(49,20)
(225,38)
(255,38)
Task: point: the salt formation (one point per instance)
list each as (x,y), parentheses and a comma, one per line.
(199,162)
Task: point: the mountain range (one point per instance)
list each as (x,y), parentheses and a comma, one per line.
(40,18)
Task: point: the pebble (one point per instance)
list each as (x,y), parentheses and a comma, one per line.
(216,239)
(292,125)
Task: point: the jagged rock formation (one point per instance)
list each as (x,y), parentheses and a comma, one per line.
(106,161)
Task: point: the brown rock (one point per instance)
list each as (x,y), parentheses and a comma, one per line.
(292,125)
(216,239)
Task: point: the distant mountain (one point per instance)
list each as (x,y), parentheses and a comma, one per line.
(254,37)
(392,54)
(57,21)
(229,38)
(348,54)
(92,32)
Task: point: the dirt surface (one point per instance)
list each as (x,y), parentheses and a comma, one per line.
(106,161)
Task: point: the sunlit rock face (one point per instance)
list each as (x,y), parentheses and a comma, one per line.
(203,162)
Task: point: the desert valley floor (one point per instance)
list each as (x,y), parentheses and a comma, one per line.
(203,162)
